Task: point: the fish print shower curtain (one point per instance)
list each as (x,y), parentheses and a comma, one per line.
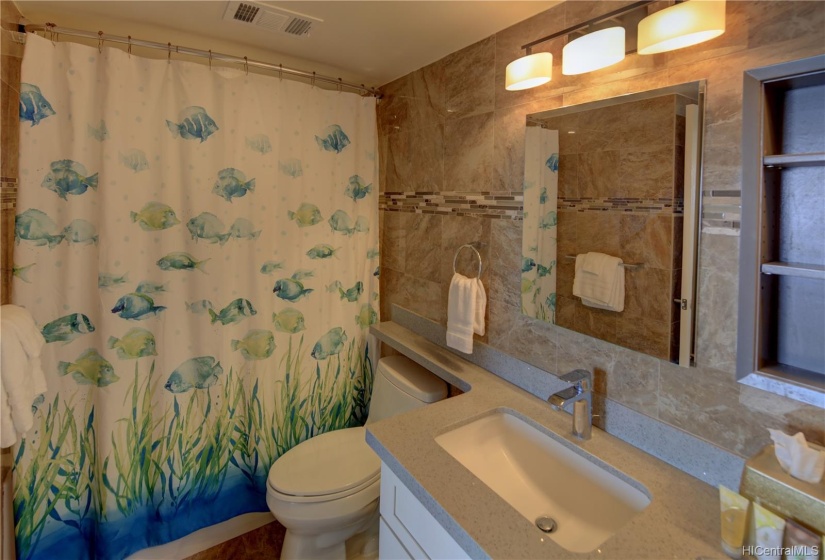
(539,254)
(199,247)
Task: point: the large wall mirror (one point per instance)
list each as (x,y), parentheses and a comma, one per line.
(611,205)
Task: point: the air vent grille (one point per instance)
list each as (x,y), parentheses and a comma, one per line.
(298,26)
(246,12)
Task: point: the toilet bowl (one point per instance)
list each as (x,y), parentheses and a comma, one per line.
(325,490)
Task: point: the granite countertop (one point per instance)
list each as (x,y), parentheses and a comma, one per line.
(682,520)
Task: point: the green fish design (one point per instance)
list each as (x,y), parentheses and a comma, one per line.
(373,253)
(147,287)
(67,328)
(290,320)
(235,312)
(543,271)
(341,222)
(90,368)
(362,224)
(209,227)
(195,373)
(106,280)
(330,344)
(257,344)
(356,189)
(22,272)
(243,229)
(350,294)
(35,226)
(136,343)
(136,306)
(68,177)
(366,316)
(232,183)
(271,266)
(321,251)
(155,216)
(306,215)
(181,261)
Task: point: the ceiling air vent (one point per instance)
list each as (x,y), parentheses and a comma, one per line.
(270,18)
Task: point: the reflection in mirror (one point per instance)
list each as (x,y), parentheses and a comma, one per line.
(610,206)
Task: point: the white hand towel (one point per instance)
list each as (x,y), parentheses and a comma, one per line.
(8,435)
(465,312)
(599,281)
(17,320)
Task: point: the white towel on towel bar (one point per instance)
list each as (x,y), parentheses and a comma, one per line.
(465,312)
(21,374)
(599,281)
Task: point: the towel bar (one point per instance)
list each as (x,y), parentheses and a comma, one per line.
(630,266)
(470,246)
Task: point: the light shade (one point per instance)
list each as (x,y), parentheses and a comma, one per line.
(681,25)
(593,51)
(529,71)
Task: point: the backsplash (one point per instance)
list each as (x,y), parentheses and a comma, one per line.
(450,129)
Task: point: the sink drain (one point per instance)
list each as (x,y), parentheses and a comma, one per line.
(546,524)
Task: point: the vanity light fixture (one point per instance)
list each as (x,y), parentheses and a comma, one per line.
(685,23)
(529,71)
(682,25)
(593,51)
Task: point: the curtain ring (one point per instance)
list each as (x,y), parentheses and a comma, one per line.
(129,48)
(169,53)
(313,79)
(340,85)
(280,71)
(210,59)
(100,41)
(246,65)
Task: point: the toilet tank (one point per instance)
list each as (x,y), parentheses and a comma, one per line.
(401,385)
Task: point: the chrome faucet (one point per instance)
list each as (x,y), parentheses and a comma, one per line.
(580,395)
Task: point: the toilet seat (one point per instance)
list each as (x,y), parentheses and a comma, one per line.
(327,467)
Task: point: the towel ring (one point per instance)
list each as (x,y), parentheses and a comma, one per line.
(480,264)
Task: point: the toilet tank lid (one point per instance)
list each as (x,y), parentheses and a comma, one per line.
(413,379)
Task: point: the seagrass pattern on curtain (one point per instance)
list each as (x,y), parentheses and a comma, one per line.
(200,249)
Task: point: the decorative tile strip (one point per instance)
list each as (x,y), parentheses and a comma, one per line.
(489,204)
(8,194)
(675,206)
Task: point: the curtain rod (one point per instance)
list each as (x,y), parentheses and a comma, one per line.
(177,49)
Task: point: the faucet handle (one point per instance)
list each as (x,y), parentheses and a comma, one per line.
(579,377)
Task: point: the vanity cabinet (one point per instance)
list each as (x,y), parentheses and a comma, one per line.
(407,529)
(782,266)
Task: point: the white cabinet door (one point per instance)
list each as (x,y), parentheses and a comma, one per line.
(413,528)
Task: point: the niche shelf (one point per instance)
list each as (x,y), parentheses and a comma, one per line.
(781,337)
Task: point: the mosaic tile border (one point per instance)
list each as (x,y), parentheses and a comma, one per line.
(8,193)
(675,206)
(508,205)
(722,211)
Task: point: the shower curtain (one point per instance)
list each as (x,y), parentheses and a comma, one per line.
(199,247)
(539,253)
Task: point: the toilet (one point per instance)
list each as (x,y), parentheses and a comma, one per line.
(325,490)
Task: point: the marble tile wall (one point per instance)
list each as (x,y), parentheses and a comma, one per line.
(451,126)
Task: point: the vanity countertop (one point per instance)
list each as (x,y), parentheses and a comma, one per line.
(681,522)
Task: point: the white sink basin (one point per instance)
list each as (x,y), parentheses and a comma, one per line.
(540,476)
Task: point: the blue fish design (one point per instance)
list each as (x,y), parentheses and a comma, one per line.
(195,124)
(35,225)
(244,229)
(543,196)
(33,106)
(232,183)
(527,264)
(67,328)
(330,344)
(291,167)
(356,189)
(235,312)
(68,177)
(341,222)
(80,232)
(134,160)
(209,227)
(552,163)
(195,373)
(99,132)
(333,139)
(136,306)
(259,143)
(549,220)
(290,289)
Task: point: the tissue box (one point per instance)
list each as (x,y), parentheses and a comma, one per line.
(764,479)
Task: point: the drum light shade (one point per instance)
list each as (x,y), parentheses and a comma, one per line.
(529,71)
(681,25)
(593,51)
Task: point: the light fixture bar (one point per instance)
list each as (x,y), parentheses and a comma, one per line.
(627,9)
